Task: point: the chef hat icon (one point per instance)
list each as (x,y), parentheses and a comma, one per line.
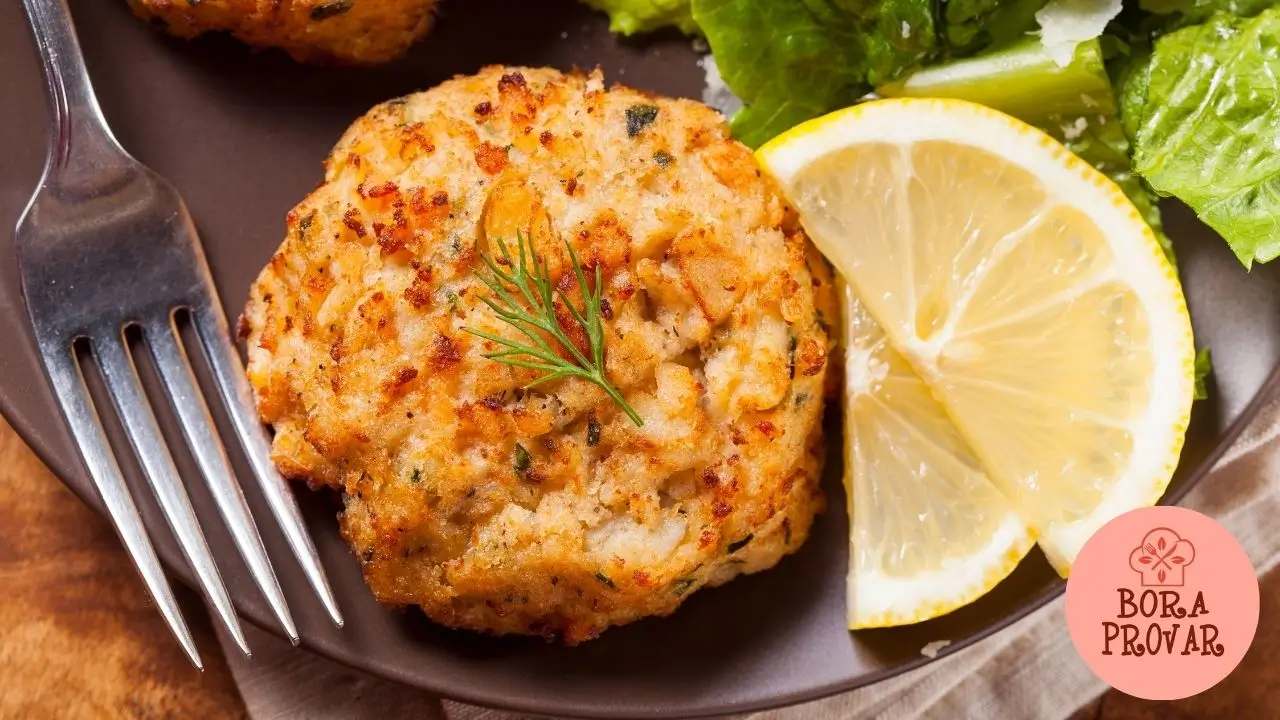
(1162,558)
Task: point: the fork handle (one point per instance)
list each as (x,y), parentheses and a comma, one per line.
(81,138)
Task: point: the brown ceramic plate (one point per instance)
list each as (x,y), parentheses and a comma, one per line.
(242,135)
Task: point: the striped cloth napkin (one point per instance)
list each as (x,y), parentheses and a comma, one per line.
(1030,670)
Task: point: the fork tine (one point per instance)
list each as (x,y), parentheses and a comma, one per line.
(224,360)
(193,414)
(82,417)
(140,425)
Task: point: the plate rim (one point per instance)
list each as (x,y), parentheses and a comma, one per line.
(1266,392)
(52,444)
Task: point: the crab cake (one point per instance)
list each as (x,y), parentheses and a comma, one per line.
(546,510)
(358,32)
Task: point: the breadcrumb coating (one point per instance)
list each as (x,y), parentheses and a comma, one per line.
(356,32)
(547,511)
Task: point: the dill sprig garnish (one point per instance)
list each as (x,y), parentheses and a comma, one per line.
(531,310)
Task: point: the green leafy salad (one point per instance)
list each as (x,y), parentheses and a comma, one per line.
(1169,98)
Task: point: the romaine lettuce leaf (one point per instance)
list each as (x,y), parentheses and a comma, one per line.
(792,60)
(628,17)
(1204,110)
(1021,80)
(970,25)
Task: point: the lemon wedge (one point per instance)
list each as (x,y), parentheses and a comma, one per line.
(1027,295)
(928,531)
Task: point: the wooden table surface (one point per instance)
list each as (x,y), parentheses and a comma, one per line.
(79,637)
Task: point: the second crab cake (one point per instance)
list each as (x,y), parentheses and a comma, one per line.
(355,32)
(547,510)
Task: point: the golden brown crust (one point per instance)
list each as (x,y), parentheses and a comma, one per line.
(357,32)
(713,333)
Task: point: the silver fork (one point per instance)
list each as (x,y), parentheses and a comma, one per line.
(106,244)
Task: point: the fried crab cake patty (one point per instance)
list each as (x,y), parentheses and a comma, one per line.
(547,511)
(358,32)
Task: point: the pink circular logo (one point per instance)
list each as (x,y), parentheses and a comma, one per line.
(1162,603)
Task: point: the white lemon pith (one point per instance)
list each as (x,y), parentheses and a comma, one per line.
(1029,299)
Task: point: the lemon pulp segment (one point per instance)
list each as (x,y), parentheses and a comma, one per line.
(928,530)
